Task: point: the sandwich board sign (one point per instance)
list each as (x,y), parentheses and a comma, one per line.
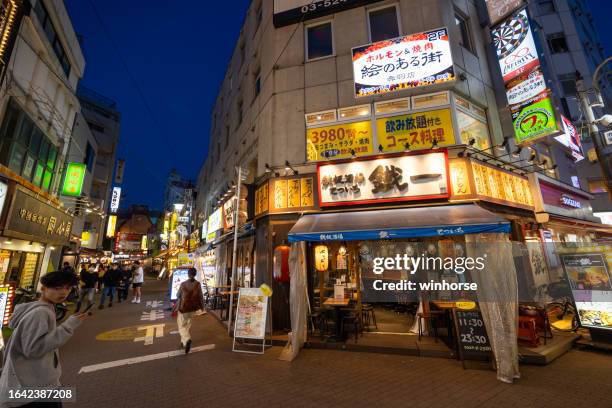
(251,319)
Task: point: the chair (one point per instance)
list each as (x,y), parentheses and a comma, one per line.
(527,330)
(368,316)
(432,317)
(350,318)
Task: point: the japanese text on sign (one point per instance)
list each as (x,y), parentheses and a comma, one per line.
(339,141)
(416,130)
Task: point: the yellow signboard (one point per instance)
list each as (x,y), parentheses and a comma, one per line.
(460,177)
(307,192)
(261,199)
(415,131)
(293,193)
(110,227)
(500,185)
(339,141)
(280,194)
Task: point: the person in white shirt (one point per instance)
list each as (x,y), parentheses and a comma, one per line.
(137,282)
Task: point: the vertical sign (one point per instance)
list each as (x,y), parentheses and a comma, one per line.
(119,171)
(110,227)
(115,197)
(3,191)
(73,181)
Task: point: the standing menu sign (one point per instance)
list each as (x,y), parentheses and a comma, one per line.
(472,339)
(251,317)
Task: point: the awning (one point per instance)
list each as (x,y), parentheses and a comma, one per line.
(398,223)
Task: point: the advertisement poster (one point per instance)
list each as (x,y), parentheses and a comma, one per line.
(523,89)
(499,9)
(418,130)
(591,286)
(178,276)
(115,198)
(397,178)
(534,119)
(251,314)
(515,47)
(339,141)
(571,138)
(73,181)
(405,62)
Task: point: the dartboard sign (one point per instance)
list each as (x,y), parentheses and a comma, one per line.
(515,47)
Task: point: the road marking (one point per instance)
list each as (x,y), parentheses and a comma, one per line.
(152,315)
(142,359)
(155,330)
(154,303)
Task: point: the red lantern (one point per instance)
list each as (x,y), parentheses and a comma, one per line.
(281,263)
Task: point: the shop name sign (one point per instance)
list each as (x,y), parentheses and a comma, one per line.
(534,119)
(522,90)
(35,220)
(405,62)
(73,181)
(570,202)
(115,198)
(293,11)
(399,178)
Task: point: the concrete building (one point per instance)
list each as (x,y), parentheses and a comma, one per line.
(104,121)
(42,65)
(570,43)
(174,192)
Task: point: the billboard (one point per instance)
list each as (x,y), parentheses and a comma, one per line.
(110,227)
(410,61)
(534,119)
(523,89)
(398,178)
(115,198)
(515,47)
(73,181)
(215,221)
(571,138)
(339,141)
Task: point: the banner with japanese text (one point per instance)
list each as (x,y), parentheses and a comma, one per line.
(405,62)
(339,141)
(415,131)
(534,119)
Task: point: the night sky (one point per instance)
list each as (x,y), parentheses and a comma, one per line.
(176,54)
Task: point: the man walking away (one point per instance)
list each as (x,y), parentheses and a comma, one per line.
(124,285)
(111,281)
(31,357)
(89,280)
(190,299)
(137,283)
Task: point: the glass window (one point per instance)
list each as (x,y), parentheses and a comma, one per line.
(35,141)
(396,105)
(597,186)
(320,117)
(44,150)
(383,24)
(90,155)
(38,174)
(568,85)
(472,128)
(354,112)
(47,180)
(546,6)
(52,157)
(28,167)
(17,156)
(557,43)
(426,101)
(319,41)
(464,29)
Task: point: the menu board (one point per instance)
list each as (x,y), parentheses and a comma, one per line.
(28,271)
(591,286)
(251,314)
(472,337)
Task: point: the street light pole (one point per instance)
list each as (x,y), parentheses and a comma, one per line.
(233,283)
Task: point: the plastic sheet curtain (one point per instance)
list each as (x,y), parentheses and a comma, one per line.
(221,255)
(497,283)
(298,301)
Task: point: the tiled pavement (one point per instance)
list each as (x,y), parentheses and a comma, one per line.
(322,378)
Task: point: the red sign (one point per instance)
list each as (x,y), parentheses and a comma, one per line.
(564,200)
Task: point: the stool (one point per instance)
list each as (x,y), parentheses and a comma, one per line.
(351,319)
(431,315)
(527,330)
(368,315)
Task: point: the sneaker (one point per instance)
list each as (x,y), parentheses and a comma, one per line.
(188,346)
(101,307)
(138,300)
(133,300)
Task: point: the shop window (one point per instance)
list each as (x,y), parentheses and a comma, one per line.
(546,6)
(470,128)
(384,23)
(317,118)
(359,111)
(396,105)
(598,186)
(557,43)
(319,41)
(430,100)
(90,155)
(463,24)
(568,84)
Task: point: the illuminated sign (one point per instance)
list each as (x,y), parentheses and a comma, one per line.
(115,197)
(6,302)
(570,202)
(261,199)
(215,221)
(502,187)
(73,181)
(521,90)
(499,9)
(294,11)
(110,226)
(571,138)
(534,119)
(407,177)
(405,62)
(8,14)
(515,46)
(415,130)
(143,243)
(339,141)
(3,192)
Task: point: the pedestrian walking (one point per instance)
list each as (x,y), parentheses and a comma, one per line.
(137,282)
(190,299)
(110,280)
(124,284)
(31,356)
(89,279)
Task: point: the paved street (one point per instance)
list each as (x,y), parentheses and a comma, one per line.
(218,377)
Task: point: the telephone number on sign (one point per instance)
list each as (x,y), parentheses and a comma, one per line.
(57,394)
(321,5)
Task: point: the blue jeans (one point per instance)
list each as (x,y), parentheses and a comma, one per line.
(108,290)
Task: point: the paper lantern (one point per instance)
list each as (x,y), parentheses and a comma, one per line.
(281,263)
(321,258)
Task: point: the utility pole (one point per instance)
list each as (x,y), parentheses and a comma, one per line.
(591,121)
(236,221)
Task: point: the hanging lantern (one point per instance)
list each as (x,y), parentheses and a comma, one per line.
(341,263)
(281,263)
(321,258)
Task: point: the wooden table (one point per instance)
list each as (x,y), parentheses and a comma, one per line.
(337,305)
